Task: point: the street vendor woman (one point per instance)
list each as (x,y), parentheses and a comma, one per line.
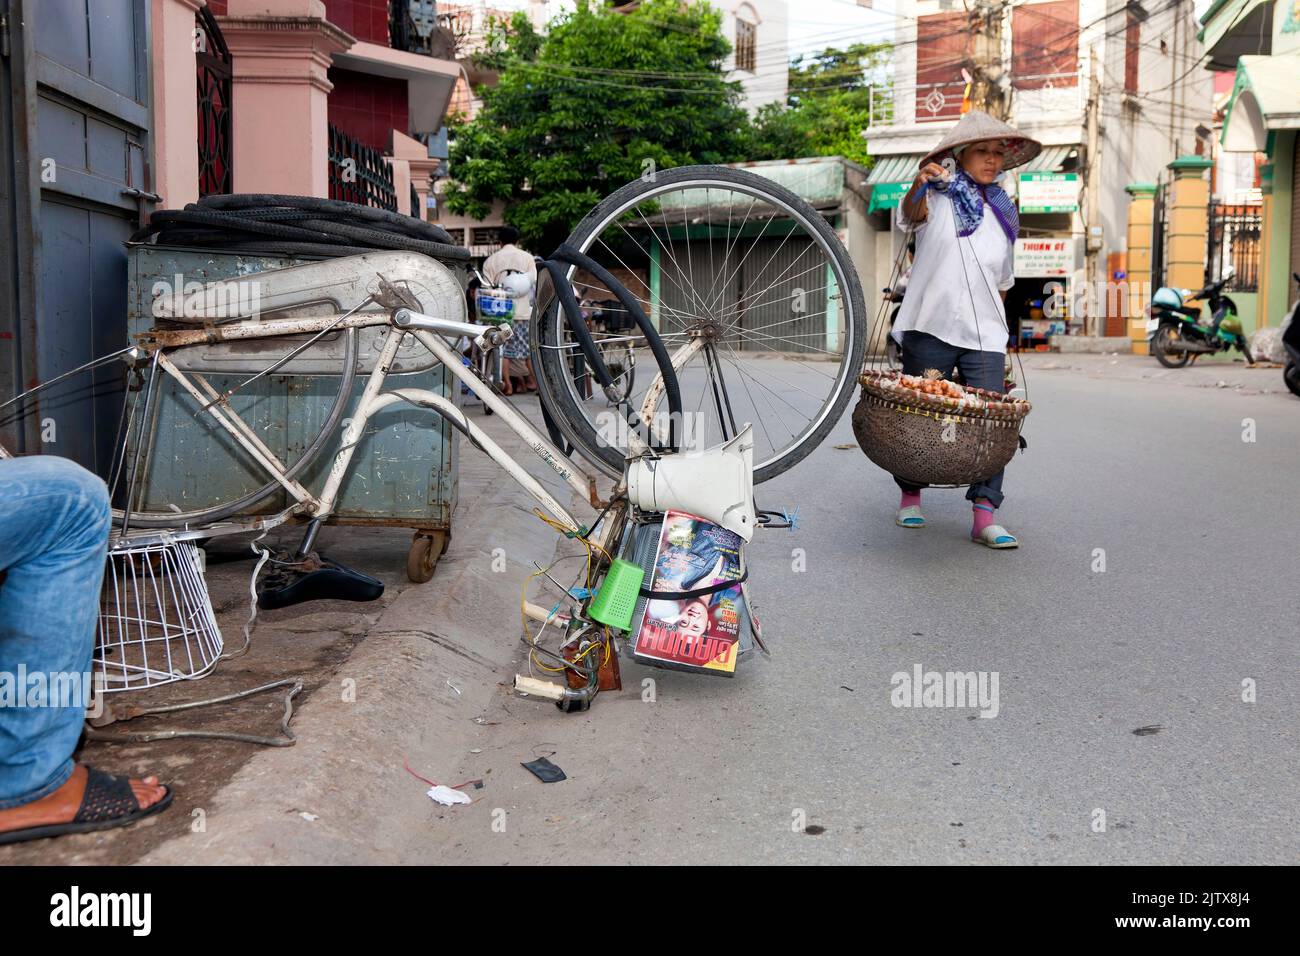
(954,313)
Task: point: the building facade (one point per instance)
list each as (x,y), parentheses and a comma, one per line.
(113,110)
(1258,44)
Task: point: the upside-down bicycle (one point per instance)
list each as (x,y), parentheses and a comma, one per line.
(745,282)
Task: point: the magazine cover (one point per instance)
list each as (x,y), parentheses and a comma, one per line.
(701,631)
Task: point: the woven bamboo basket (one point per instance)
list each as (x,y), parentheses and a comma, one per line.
(933,440)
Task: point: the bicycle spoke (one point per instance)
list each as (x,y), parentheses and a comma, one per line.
(718,258)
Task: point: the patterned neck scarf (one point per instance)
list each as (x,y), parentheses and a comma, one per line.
(968,199)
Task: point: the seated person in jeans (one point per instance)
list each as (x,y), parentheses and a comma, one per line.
(54,522)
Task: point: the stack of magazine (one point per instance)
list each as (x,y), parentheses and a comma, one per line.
(696,624)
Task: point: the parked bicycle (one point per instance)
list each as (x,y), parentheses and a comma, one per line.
(745,283)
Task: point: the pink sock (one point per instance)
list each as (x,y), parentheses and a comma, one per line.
(983,515)
(910,499)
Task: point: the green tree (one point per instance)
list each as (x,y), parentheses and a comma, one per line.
(827,107)
(589,106)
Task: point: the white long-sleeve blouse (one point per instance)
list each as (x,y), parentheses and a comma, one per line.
(961,306)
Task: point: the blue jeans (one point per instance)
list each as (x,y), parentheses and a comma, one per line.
(980,369)
(54,522)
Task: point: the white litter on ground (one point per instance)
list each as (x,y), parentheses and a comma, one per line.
(447,796)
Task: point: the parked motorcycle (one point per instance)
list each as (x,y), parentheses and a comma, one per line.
(1180,332)
(1291,342)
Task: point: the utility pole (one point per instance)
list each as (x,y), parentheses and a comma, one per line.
(1092,216)
(987,74)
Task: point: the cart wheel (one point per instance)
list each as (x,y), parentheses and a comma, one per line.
(426,548)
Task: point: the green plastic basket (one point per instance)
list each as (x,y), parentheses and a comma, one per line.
(616,599)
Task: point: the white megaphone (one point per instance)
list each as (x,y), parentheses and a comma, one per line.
(716,484)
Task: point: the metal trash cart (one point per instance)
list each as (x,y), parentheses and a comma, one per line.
(405,473)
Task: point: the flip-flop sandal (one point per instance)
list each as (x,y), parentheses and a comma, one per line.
(910,517)
(107,803)
(996,536)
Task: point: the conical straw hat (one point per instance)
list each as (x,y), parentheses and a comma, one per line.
(975,127)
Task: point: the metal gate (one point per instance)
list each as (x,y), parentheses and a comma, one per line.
(1159,234)
(770,291)
(1233,243)
(73,146)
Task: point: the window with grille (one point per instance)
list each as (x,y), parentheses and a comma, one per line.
(746,45)
(941,51)
(1045,45)
(1132,48)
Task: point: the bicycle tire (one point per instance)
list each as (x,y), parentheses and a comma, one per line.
(547,334)
(394,221)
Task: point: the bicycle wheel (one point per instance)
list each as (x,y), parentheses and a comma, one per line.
(620,358)
(749,272)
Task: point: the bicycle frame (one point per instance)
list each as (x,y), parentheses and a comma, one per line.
(428,330)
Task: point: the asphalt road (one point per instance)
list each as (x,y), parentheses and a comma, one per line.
(1200,532)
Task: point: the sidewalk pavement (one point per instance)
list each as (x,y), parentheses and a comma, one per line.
(425,661)
(1220,371)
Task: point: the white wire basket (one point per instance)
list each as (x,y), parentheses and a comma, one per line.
(156,623)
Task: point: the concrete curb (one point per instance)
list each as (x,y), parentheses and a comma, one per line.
(428,666)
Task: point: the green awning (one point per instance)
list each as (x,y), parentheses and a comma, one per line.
(895,169)
(1049,160)
(1235,28)
(904,167)
(887,195)
(1265,97)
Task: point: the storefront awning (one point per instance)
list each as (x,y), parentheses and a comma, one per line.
(904,167)
(1235,28)
(895,169)
(1049,160)
(1266,96)
(891,176)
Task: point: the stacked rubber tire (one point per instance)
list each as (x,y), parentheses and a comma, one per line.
(267,224)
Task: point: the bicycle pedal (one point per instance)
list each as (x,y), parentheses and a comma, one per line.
(313,579)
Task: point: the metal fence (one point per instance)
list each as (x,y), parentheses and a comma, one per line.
(359,174)
(1233,243)
(212,59)
(1159,234)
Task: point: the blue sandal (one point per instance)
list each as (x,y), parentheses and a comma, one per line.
(994,536)
(910,517)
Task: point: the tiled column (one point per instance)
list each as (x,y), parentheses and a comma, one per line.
(1188,222)
(1141,211)
(281,52)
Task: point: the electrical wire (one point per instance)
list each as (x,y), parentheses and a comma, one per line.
(555,70)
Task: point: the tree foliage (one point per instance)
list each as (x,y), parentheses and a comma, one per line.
(827,107)
(569,121)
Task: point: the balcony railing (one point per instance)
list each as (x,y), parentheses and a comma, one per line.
(359,174)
